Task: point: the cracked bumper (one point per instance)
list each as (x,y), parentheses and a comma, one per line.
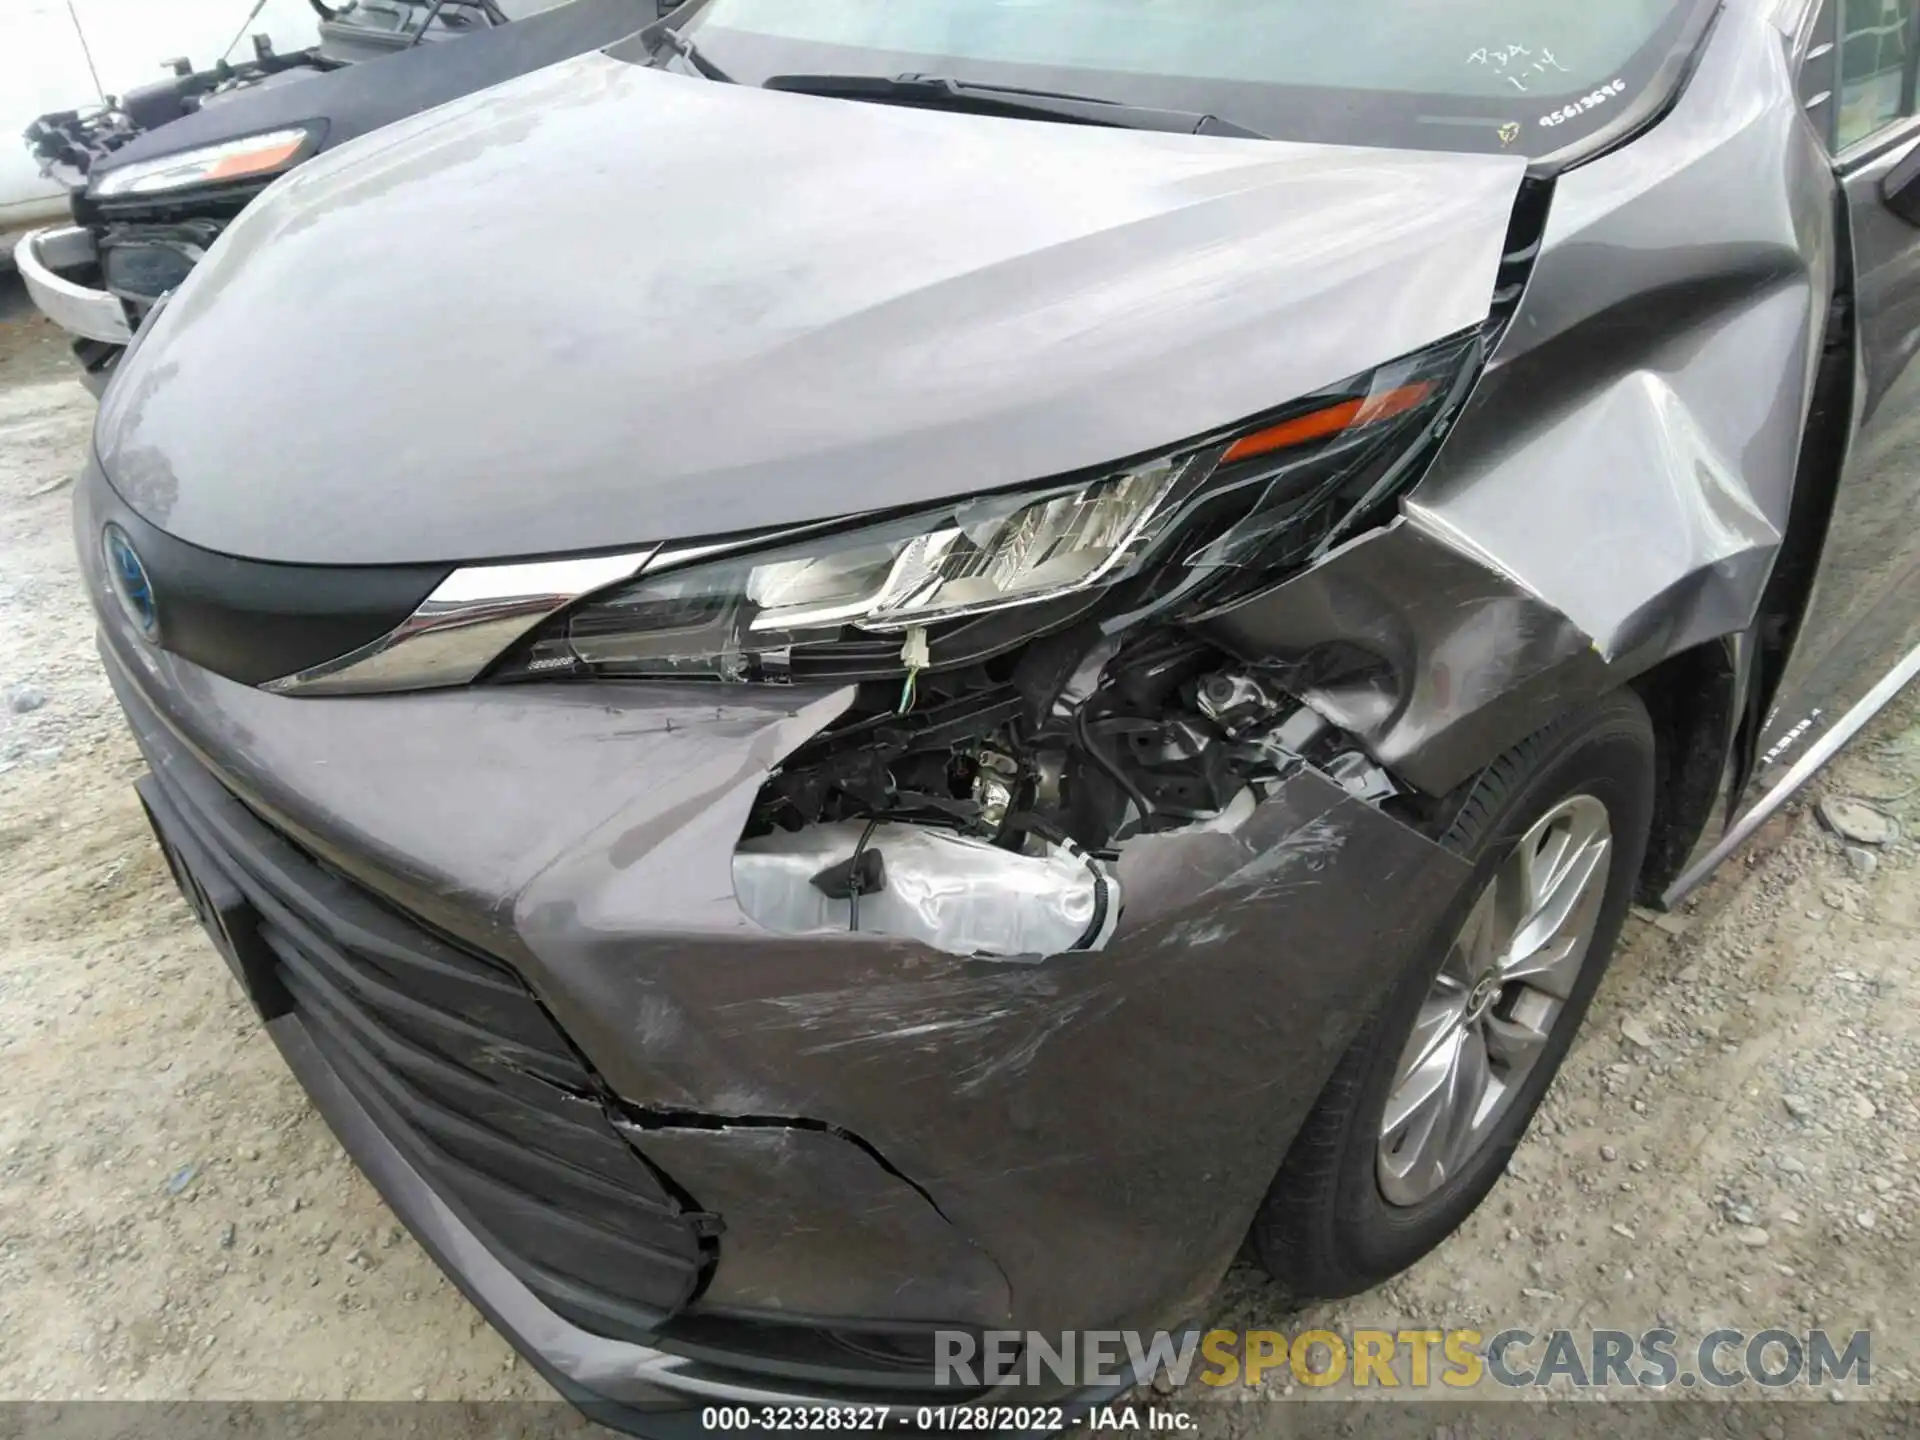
(632,1386)
(891,1139)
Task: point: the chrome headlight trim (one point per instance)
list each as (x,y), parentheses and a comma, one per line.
(463,626)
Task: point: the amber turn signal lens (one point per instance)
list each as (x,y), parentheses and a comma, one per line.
(252,162)
(1334,420)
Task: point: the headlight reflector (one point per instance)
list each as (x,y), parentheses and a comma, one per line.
(1004,550)
(711,619)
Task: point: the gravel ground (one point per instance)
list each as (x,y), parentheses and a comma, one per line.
(1731,1143)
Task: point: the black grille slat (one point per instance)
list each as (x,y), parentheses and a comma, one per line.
(431,1129)
(561,1125)
(353,918)
(469,988)
(512,1157)
(458,1063)
(453,1036)
(535,1238)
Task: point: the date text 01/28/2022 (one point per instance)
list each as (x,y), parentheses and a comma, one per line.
(976,1419)
(1584,104)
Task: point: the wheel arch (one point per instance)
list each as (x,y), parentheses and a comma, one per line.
(1694,701)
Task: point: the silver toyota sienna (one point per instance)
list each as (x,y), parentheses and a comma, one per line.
(864,671)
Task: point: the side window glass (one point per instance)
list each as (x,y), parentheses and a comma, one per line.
(1875,36)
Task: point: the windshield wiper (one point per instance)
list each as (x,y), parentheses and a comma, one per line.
(940,92)
(661,32)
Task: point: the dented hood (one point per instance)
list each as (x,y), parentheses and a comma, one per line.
(604,304)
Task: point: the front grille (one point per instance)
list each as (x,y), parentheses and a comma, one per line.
(461,1067)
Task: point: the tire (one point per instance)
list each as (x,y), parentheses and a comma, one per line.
(1327,1228)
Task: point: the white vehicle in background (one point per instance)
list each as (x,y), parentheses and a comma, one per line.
(58,54)
(154,172)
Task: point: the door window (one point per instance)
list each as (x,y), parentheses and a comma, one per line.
(1875,87)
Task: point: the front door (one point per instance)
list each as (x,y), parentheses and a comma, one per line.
(1863,618)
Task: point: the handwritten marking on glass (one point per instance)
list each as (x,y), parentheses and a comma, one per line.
(1585,103)
(1518,64)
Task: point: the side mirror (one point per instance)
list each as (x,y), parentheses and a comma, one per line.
(1901,188)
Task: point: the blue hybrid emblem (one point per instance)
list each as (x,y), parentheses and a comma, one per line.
(129,580)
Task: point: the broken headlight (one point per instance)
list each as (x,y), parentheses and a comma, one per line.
(891,597)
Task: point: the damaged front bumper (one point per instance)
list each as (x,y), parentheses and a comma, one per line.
(49,260)
(677,1158)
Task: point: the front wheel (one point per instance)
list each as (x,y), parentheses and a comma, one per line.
(1424,1109)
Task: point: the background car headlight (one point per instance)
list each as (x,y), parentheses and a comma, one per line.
(254,157)
(958,584)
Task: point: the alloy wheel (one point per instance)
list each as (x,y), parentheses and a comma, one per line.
(1502,988)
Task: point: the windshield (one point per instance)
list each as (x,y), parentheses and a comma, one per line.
(1522,75)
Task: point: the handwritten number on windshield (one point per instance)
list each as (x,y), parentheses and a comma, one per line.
(1517,64)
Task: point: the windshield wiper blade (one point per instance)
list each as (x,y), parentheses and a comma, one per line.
(660,32)
(940,92)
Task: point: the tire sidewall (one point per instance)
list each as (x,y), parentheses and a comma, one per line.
(1607,754)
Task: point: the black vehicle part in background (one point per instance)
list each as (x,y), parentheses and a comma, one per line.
(141,263)
(97,359)
(358,98)
(68,143)
(353,33)
(148,107)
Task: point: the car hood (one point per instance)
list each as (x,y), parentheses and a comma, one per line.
(604,304)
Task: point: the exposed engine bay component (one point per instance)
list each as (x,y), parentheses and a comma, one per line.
(986,820)
(953,892)
(68,143)
(980,806)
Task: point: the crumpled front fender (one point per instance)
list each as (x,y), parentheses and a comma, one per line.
(1618,486)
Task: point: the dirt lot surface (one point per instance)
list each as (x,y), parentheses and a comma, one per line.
(1733,1142)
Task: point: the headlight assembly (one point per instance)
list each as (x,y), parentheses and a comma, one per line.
(254,157)
(746,618)
(961,582)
